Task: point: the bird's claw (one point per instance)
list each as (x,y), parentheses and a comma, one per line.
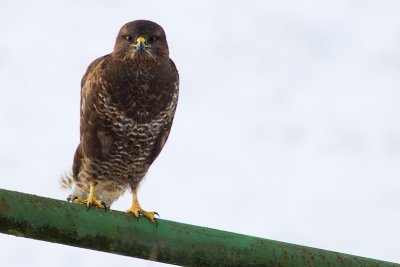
(71,198)
(89,202)
(104,205)
(139,212)
(101,205)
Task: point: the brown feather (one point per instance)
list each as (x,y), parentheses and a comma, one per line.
(128,102)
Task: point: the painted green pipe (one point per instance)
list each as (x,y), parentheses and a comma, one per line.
(170,242)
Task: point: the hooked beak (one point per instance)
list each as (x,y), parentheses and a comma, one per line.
(140,43)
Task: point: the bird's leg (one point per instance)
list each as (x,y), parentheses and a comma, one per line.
(91,200)
(136,210)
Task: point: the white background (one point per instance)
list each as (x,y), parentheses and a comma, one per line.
(287,126)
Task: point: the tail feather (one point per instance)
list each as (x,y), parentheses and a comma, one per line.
(67,181)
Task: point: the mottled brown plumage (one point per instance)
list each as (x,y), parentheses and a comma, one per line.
(128,102)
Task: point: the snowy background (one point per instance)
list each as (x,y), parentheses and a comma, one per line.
(287,126)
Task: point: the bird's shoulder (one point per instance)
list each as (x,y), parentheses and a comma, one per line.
(96,135)
(174,69)
(93,68)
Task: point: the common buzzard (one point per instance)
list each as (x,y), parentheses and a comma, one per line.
(128,102)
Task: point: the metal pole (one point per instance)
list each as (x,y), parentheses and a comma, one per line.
(171,242)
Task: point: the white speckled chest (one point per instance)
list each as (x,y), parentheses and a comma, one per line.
(131,149)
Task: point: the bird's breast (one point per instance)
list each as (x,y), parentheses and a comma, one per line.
(136,112)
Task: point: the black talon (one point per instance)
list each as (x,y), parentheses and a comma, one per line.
(89,205)
(71,198)
(157,214)
(104,205)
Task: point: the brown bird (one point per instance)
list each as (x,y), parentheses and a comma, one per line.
(128,102)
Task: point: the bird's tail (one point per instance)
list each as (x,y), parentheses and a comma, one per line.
(67,181)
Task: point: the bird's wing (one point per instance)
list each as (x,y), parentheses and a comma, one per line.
(95,134)
(162,138)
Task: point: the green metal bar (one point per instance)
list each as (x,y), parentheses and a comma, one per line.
(171,242)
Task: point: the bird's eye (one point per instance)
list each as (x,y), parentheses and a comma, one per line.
(128,38)
(152,39)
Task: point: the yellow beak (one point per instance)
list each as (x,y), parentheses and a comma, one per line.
(140,42)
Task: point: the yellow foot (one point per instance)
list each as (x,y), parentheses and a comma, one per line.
(90,201)
(136,210)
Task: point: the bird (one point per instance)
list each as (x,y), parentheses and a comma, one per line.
(128,103)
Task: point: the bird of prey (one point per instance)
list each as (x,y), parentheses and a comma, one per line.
(128,102)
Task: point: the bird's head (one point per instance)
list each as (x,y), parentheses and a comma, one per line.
(141,41)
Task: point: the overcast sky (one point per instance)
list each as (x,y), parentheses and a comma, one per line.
(287,126)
